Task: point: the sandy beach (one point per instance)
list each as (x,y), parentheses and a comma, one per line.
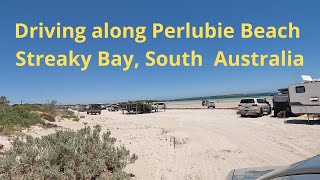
(201,144)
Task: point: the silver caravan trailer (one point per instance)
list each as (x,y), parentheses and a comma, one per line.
(304,97)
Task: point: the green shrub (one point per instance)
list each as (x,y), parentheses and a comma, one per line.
(15,118)
(76,119)
(49,107)
(48,117)
(67,114)
(66,154)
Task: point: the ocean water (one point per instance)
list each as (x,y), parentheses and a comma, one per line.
(225,97)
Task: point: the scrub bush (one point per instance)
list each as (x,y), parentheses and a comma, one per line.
(76,119)
(49,108)
(67,114)
(16,118)
(66,154)
(48,117)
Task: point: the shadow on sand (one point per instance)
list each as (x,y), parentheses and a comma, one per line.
(300,121)
(248,116)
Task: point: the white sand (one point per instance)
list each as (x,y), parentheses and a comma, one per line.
(204,144)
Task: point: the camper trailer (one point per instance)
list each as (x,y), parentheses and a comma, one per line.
(304,97)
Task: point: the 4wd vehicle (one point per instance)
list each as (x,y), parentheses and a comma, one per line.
(158,106)
(113,107)
(94,109)
(254,107)
(204,102)
(211,104)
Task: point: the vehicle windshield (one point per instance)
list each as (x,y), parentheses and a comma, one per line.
(95,106)
(247,101)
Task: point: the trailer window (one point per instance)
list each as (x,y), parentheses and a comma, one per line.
(300,89)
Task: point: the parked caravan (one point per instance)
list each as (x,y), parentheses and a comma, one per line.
(304,97)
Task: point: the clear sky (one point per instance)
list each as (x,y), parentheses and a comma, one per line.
(107,84)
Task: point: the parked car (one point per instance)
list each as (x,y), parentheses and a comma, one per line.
(204,102)
(103,107)
(158,106)
(211,104)
(308,169)
(82,108)
(94,109)
(113,107)
(254,107)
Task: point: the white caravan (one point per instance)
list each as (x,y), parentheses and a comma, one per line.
(304,97)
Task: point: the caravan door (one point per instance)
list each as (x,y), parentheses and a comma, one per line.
(305,98)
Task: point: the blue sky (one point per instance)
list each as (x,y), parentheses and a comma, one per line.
(106,84)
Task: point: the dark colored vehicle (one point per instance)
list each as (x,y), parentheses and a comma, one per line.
(281,103)
(204,102)
(308,169)
(94,109)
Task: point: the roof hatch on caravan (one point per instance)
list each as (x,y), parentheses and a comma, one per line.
(307,78)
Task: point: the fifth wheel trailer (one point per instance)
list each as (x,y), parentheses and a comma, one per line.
(304,97)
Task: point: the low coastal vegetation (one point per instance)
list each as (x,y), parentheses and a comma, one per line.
(67,154)
(17,117)
(67,114)
(14,118)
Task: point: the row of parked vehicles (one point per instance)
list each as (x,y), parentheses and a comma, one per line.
(297,99)
(301,98)
(131,107)
(97,108)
